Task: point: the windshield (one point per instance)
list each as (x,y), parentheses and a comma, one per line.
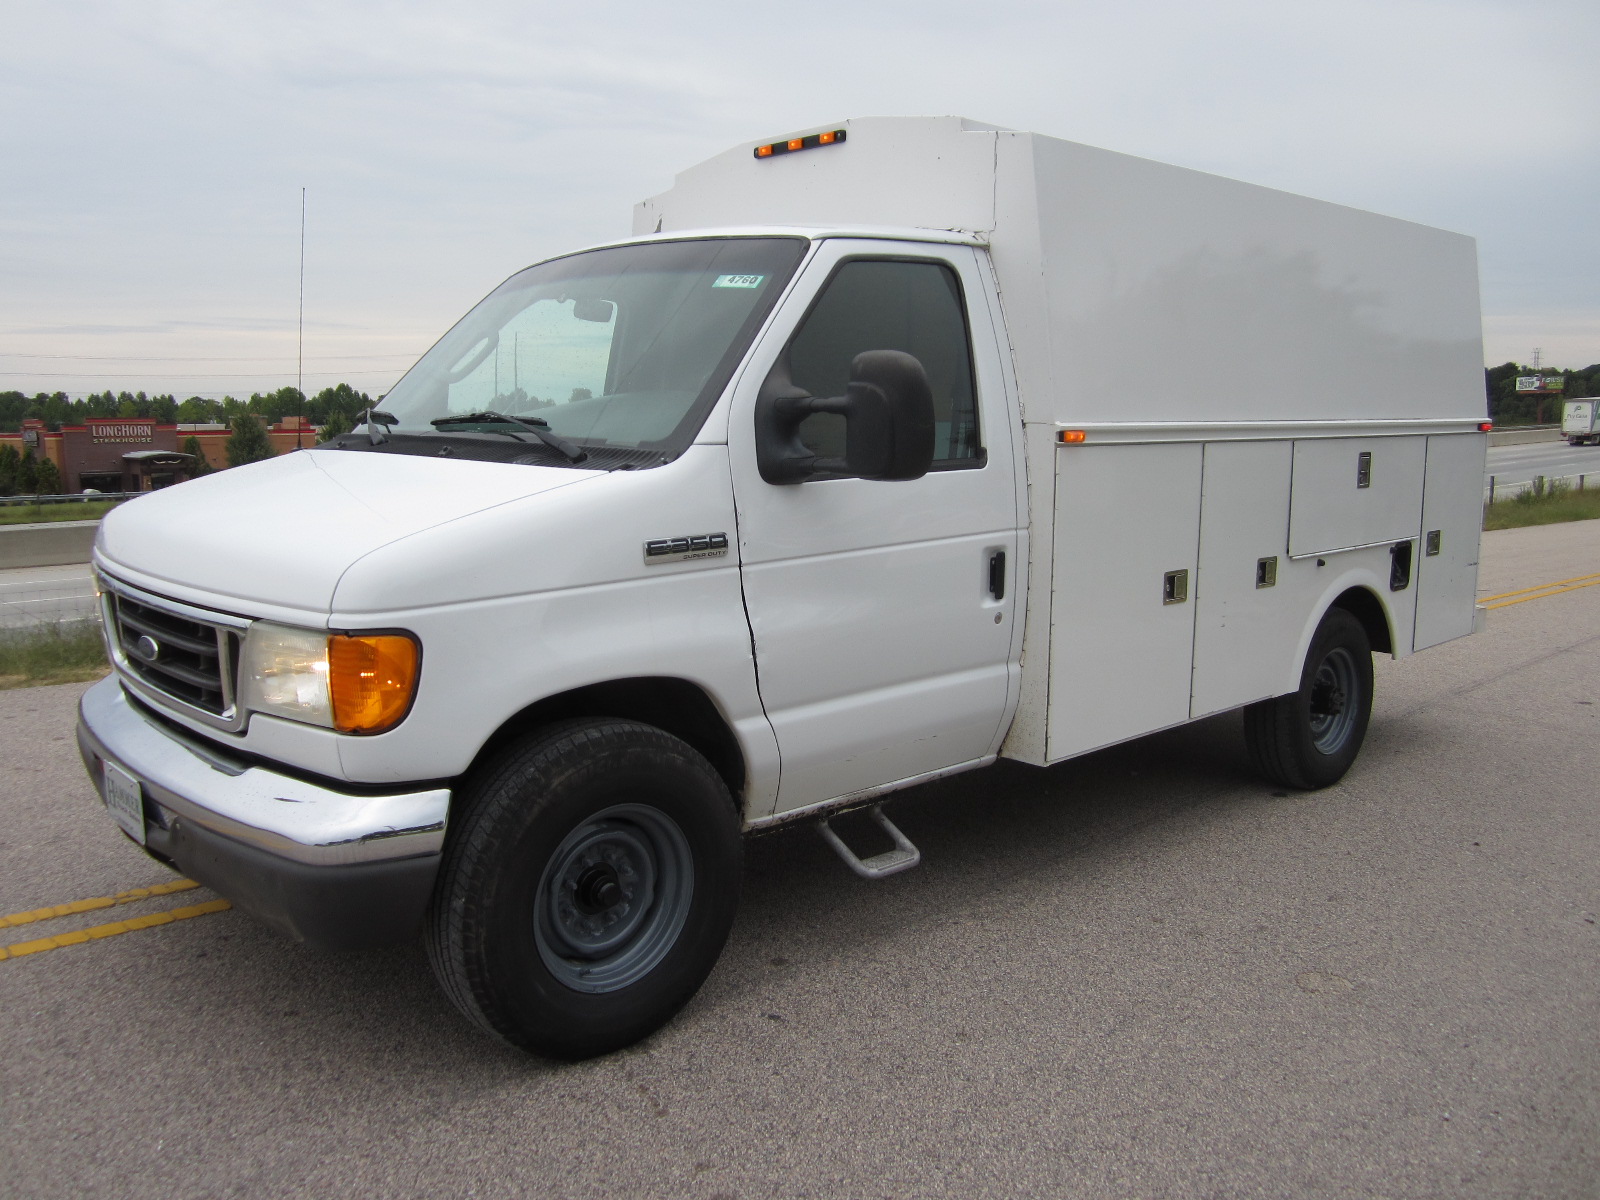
(627,347)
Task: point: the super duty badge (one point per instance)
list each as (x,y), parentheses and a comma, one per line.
(701,545)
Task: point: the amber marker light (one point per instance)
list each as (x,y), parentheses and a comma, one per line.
(810,142)
(1070,437)
(371,679)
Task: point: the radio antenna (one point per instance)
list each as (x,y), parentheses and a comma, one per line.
(300,353)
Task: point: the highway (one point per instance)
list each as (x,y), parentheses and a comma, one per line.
(45,595)
(1513,466)
(1142,973)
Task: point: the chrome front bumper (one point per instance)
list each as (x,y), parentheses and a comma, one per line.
(330,867)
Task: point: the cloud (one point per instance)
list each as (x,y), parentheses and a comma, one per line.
(156,153)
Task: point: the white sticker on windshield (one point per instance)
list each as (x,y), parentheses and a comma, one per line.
(744,281)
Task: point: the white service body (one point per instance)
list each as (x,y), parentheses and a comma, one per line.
(1256,377)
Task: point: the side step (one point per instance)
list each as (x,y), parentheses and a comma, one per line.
(903,857)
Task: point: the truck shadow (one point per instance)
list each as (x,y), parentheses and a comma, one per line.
(999,829)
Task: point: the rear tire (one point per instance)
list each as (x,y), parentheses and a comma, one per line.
(587,888)
(1309,738)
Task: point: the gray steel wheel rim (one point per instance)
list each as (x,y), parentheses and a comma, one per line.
(650,858)
(1334,701)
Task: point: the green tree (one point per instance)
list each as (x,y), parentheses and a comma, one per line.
(335,425)
(340,400)
(275,406)
(49,479)
(28,475)
(248,442)
(9,466)
(191,445)
(197,410)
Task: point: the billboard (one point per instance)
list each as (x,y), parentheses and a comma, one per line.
(1545,385)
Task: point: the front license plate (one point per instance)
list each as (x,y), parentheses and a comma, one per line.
(125,800)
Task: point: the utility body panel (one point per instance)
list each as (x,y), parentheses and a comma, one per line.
(1174,315)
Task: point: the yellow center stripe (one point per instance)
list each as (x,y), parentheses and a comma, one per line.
(82,906)
(114,928)
(1543,587)
(1551,590)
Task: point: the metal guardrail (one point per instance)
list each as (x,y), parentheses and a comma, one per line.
(74,498)
(1538,483)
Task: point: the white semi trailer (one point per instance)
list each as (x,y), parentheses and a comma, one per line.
(1580,421)
(878,452)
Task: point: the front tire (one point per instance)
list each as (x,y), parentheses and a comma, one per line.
(1309,738)
(587,889)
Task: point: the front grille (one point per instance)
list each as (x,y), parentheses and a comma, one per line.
(179,655)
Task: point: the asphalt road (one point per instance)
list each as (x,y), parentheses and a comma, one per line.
(1139,974)
(43,595)
(1513,466)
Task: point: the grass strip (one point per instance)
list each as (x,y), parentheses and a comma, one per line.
(1554,506)
(66,652)
(32,514)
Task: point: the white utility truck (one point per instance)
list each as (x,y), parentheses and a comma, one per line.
(1580,421)
(878,453)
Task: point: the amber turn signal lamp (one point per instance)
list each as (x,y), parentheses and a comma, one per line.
(1070,437)
(371,678)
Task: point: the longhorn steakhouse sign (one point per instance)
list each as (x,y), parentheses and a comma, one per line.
(123,432)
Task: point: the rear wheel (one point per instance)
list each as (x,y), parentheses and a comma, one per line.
(588,888)
(1309,738)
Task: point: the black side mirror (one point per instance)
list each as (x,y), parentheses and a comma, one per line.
(888,415)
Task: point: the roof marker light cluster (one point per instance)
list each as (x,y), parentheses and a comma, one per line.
(810,142)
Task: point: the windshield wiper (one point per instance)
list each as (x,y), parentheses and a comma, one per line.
(538,425)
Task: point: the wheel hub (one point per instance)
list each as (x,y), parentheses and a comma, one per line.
(598,889)
(1327,698)
(1332,715)
(614,896)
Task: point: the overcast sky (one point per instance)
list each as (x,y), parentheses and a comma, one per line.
(153,153)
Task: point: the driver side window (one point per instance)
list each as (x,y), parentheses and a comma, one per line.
(888,304)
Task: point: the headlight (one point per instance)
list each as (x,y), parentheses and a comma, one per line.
(355,683)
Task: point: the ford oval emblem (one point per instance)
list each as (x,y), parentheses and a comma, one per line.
(147,648)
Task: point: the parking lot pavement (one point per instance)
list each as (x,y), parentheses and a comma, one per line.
(1141,973)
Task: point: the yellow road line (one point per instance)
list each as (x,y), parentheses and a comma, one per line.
(113,929)
(81,906)
(1542,587)
(1542,595)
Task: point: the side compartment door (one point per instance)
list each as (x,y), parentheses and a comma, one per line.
(1452,521)
(1127,528)
(882,612)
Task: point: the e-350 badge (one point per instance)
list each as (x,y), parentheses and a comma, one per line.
(701,545)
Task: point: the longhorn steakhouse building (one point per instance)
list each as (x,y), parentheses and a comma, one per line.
(132,454)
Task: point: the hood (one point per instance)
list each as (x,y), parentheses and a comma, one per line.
(282,532)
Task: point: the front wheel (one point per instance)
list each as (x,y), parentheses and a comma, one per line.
(1309,738)
(589,885)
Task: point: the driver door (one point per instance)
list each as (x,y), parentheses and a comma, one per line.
(882,613)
